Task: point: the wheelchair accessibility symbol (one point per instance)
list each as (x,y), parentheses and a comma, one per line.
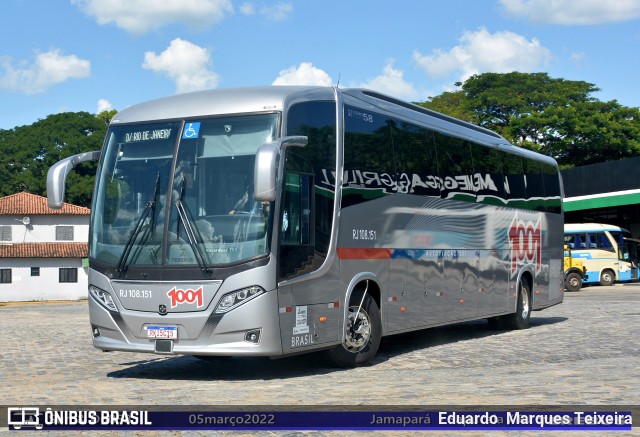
(191,130)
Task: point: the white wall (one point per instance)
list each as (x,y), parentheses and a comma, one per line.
(42,228)
(47,286)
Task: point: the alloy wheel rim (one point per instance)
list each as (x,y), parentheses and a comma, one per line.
(357,330)
(525,303)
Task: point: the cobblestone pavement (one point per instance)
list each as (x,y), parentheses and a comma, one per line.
(583,352)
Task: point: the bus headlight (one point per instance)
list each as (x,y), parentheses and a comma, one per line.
(236,298)
(103,298)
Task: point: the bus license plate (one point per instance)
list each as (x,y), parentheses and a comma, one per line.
(154,331)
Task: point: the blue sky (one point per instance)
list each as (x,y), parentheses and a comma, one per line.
(91,55)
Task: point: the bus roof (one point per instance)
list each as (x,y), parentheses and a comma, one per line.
(221,101)
(276,98)
(590,227)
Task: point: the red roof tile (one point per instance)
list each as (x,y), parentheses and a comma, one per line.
(44,250)
(31,204)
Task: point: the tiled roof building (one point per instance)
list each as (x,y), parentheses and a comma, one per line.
(42,249)
(30,204)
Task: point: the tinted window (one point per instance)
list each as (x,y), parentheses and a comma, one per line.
(514,181)
(416,160)
(488,175)
(369,168)
(309,189)
(456,168)
(535,185)
(553,197)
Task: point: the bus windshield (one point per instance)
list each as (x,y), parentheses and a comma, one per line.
(179,193)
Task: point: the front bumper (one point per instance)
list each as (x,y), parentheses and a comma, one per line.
(199,333)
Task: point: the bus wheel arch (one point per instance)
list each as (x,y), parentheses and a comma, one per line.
(607,277)
(368,284)
(524,304)
(362,328)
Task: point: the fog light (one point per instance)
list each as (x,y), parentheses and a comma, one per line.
(252,336)
(95,330)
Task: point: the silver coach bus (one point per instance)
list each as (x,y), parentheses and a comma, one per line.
(278,220)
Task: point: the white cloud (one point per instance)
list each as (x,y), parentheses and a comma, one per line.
(247,9)
(568,12)
(104,105)
(391,82)
(278,12)
(141,16)
(186,64)
(303,74)
(49,69)
(481,52)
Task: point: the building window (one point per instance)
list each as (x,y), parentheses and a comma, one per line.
(5,276)
(64,233)
(35,271)
(5,233)
(68,275)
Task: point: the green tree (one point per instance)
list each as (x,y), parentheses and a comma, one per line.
(29,151)
(556,117)
(106,116)
(451,103)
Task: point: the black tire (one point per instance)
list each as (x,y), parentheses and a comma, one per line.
(607,277)
(573,282)
(363,330)
(520,319)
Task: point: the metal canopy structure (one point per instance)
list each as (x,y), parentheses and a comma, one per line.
(607,192)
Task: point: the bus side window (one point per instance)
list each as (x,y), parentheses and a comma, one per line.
(415,154)
(317,121)
(536,199)
(297,225)
(296,210)
(581,241)
(454,163)
(553,196)
(604,243)
(489,174)
(515,189)
(569,240)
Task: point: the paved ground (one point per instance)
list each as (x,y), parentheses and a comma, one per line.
(583,352)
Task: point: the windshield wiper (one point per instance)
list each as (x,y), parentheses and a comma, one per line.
(190,230)
(150,207)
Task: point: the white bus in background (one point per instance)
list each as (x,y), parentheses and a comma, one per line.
(608,252)
(279,220)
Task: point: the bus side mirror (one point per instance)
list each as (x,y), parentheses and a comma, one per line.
(266,166)
(57,176)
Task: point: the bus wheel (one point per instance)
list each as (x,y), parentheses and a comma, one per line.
(573,282)
(362,332)
(607,277)
(520,319)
